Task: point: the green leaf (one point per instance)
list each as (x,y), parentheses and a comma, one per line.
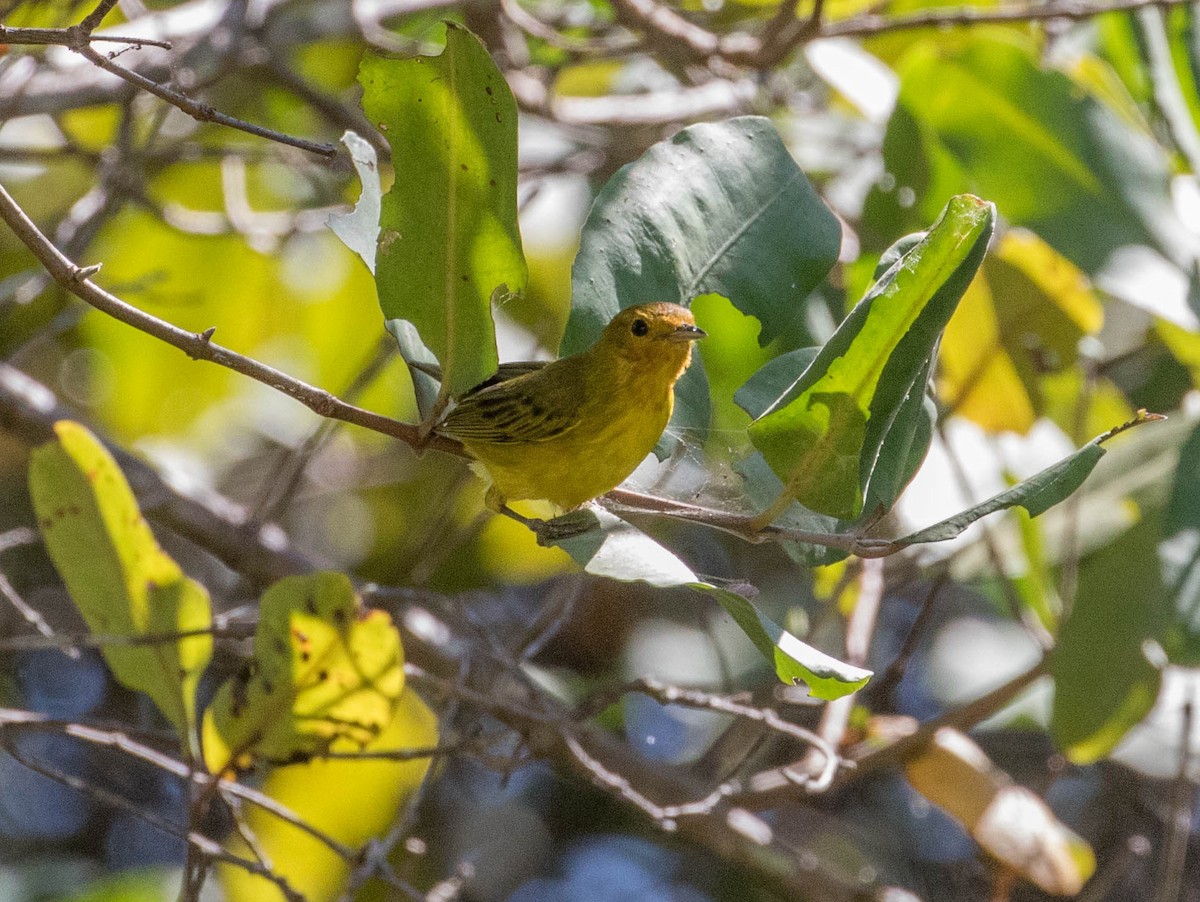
(123,583)
(325,673)
(794,661)
(983,115)
(719,208)
(359,229)
(448,229)
(1103,682)
(618,550)
(823,435)
(1037,494)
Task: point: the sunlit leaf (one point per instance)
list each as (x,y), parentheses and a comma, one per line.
(123,583)
(794,661)
(982,114)
(1021,319)
(325,673)
(618,550)
(359,229)
(448,230)
(823,435)
(1008,821)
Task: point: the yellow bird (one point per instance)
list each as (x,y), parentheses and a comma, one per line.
(570,430)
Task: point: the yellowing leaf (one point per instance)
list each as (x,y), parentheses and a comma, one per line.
(325,673)
(1009,821)
(123,583)
(1020,321)
(350,800)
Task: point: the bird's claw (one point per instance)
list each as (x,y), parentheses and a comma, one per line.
(559,529)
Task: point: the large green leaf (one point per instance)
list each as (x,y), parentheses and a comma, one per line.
(618,550)
(1103,682)
(448,228)
(982,115)
(123,583)
(718,208)
(822,436)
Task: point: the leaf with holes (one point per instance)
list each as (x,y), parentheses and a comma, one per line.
(448,227)
(326,673)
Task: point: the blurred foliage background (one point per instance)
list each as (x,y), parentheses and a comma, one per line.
(1082,125)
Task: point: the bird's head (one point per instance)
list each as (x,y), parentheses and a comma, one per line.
(658,335)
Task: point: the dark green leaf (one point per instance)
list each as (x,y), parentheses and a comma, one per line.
(718,208)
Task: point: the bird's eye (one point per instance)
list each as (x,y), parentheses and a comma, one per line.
(640,327)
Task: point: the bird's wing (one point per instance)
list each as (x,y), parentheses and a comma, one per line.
(532,407)
(503,374)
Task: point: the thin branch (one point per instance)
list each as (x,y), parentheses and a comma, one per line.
(207,848)
(886,684)
(92,20)
(969,16)
(199,345)
(667,694)
(202,112)
(35,619)
(14,720)
(29,410)
(70,37)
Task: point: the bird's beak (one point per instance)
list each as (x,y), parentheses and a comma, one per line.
(687,332)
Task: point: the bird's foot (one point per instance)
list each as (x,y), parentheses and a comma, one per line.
(558,529)
(568,526)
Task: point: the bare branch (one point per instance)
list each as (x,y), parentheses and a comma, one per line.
(199,346)
(70,37)
(207,848)
(202,112)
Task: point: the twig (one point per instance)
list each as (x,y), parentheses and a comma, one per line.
(29,410)
(70,37)
(35,619)
(90,640)
(968,16)
(961,718)
(1179,814)
(207,848)
(860,629)
(667,694)
(14,720)
(202,112)
(886,684)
